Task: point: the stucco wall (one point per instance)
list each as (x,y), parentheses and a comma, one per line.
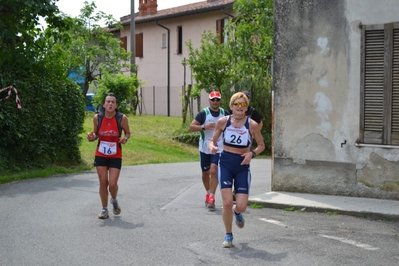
(153,65)
(317,100)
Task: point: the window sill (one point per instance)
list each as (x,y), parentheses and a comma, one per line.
(359,145)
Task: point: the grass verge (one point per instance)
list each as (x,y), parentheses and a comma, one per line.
(151,142)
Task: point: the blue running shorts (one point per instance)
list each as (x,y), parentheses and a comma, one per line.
(207,159)
(232,174)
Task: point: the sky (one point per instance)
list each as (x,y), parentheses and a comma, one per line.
(116,8)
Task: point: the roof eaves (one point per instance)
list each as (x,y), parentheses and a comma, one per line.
(180,14)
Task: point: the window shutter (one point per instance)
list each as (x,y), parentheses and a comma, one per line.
(373,96)
(124,43)
(139,45)
(395,89)
(220,30)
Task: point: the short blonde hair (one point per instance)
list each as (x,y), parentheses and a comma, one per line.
(238,95)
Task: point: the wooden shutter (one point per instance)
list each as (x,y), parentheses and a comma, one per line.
(124,43)
(139,45)
(380,85)
(373,85)
(220,30)
(395,89)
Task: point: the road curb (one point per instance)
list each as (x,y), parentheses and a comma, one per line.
(331,211)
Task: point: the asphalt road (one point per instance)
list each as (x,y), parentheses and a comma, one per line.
(53,221)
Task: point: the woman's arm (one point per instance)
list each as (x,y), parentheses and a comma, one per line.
(126,129)
(92,136)
(257,135)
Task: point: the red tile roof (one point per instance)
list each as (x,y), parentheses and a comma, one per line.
(180,11)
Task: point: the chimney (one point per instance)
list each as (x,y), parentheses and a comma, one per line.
(148,7)
(142,7)
(152,7)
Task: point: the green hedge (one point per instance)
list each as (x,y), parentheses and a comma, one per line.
(46,131)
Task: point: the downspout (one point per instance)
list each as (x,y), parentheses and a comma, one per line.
(168,88)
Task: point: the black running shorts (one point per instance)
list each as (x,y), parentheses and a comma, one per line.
(109,162)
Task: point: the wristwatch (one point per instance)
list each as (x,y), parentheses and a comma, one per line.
(203,126)
(253,154)
(126,138)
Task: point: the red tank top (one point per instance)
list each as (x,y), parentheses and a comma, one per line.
(108,139)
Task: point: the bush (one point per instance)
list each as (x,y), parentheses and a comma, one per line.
(46,130)
(124,88)
(188,138)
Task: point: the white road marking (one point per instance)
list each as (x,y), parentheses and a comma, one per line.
(351,242)
(273,222)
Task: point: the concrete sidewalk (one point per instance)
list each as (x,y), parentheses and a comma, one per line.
(362,207)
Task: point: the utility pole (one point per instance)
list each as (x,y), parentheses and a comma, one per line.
(132,38)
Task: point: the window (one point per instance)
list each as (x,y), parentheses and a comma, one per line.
(379,116)
(220,31)
(124,43)
(164,40)
(179,40)
(139,45)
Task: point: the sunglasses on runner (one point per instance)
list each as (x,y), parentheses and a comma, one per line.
(243,104)
(215,100)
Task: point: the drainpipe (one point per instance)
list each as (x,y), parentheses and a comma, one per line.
(168,88)
(132,38)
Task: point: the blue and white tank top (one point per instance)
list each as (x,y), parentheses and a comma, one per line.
(237,137)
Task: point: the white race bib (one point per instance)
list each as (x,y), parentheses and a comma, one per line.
(107,148)
(236,136)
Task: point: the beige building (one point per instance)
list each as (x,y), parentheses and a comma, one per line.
(336,97)
(160,37)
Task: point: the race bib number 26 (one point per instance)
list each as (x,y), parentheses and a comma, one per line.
(107,148)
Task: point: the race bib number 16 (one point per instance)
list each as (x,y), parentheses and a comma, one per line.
(107,148)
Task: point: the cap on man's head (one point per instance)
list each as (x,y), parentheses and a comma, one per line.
(215,94)
(248,94)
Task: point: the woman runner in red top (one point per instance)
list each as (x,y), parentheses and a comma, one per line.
(108,155)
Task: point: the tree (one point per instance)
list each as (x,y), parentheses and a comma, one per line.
(250,49)
(21,39)
(250,45)
(92,49)
(243,61)
(247,53)
(42,133)
(210,66)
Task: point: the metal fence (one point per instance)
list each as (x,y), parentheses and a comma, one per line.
(154,101)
